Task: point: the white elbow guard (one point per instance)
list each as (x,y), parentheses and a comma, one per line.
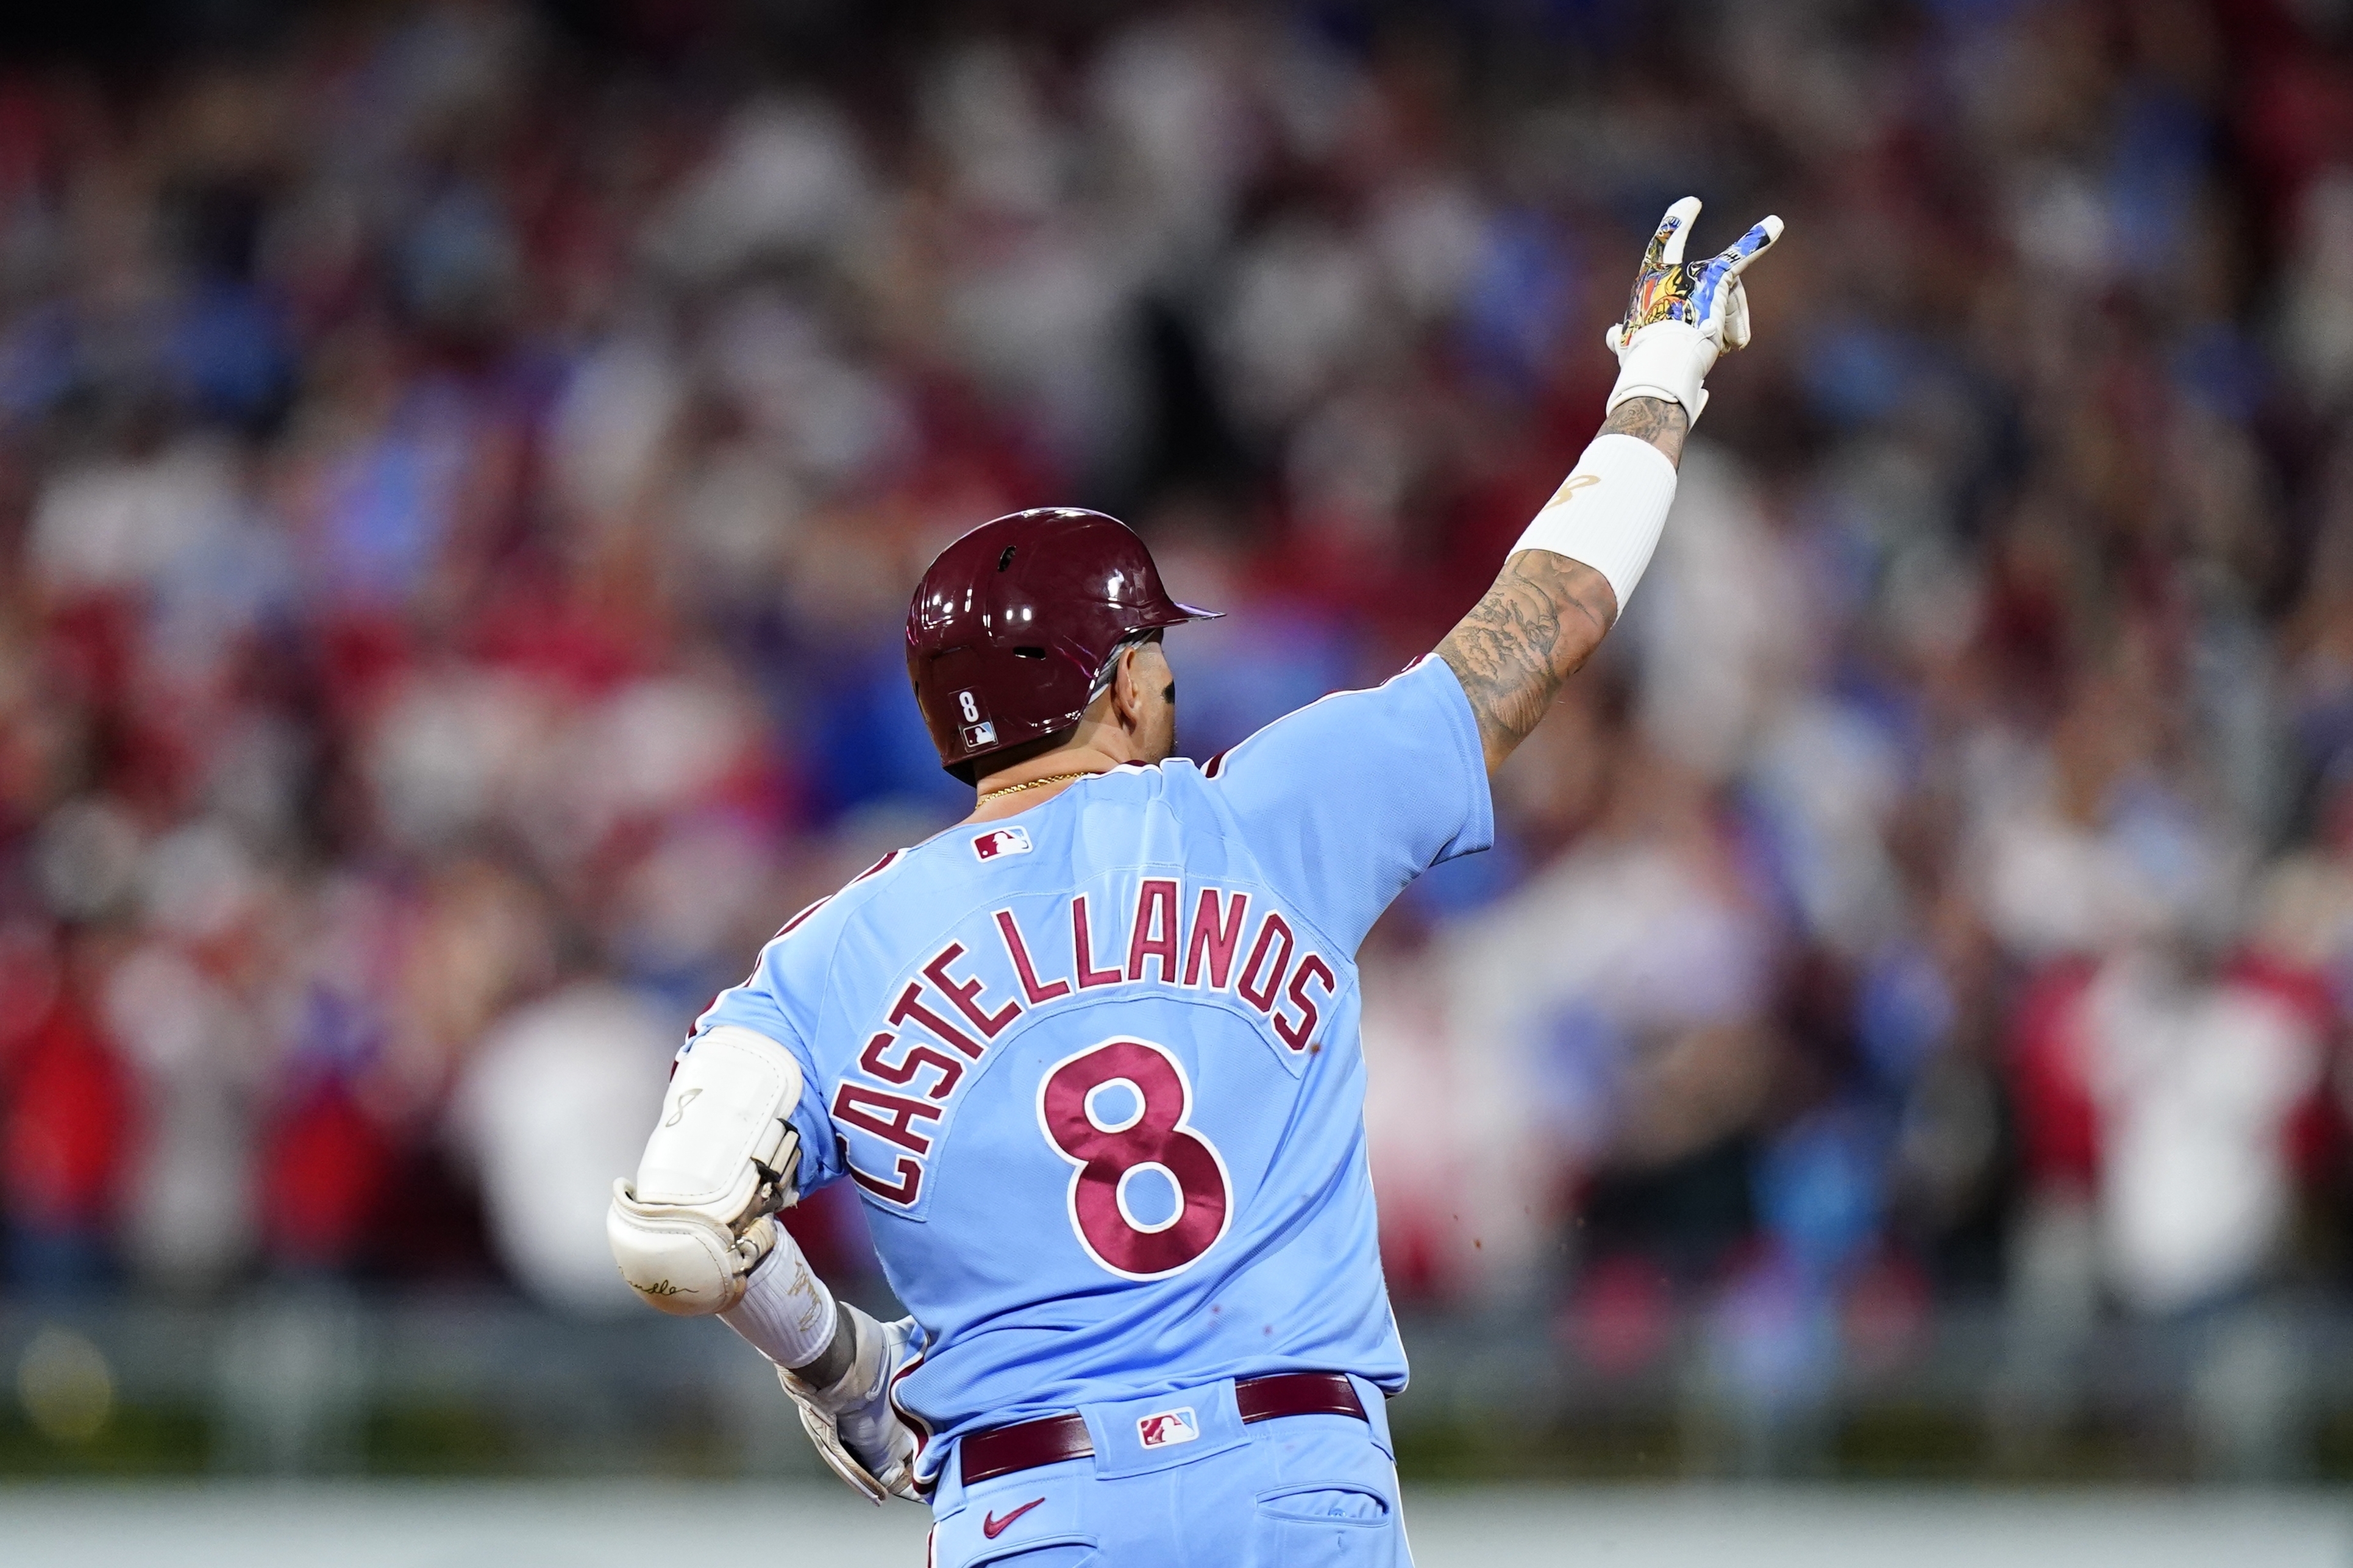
(695,1223)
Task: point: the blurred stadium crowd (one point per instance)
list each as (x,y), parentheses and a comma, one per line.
(462,467)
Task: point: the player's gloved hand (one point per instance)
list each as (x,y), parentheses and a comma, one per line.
(1683,314)
(859,1434)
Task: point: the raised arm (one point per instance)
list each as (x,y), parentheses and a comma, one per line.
(1546,613)
(1562,585)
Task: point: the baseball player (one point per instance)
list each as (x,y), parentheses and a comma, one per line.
(1091,1056)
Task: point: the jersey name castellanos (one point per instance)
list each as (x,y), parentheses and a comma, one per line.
(1094,1068)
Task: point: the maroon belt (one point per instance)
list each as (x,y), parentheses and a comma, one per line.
(1050,1439)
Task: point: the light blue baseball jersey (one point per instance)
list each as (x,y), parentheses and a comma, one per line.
(1095,1068)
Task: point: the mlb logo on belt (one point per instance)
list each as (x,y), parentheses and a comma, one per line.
(1166,1428)
(1001,841)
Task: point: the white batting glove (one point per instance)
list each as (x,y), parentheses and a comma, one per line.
(1682,316)
(859,1434)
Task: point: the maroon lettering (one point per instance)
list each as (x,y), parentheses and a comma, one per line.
(1297,1035)
(1263,996)
(895,1123)
(1081,951)
(911,1182)
(1018,951)
(964,992)
(1216,936)
(1158,1136)
(1156,910)
(917,1058)
(910,1005)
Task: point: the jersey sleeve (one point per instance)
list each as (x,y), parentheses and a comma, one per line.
(1349,800)
(764,1005)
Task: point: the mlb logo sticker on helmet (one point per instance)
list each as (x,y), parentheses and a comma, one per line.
(1001,841)
(977,735)
(1166,1428)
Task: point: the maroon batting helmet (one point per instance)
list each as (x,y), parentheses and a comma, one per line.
(1015,624)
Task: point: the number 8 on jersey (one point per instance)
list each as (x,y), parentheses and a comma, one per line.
(1109,1152)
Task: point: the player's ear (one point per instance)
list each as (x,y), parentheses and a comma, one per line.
(1127,688)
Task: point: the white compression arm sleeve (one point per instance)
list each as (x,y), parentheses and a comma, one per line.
(786,1312)
(1608,512)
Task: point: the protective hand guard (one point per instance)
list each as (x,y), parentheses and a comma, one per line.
(722,1159)
(1682,315)
(859,1432)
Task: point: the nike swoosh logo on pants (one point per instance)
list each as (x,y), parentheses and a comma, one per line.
(993,1527)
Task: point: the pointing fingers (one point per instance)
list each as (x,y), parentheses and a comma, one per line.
(1720,280)
(1751,245)
(1704,295)
(1674,229)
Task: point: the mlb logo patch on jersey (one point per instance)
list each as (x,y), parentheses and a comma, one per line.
(1166,1428)
(1001,841)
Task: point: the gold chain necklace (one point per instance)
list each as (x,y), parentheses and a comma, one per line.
(1035,784)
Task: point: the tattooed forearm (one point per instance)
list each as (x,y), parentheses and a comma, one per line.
(1545,614)
(1661,423)
(1542,617)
